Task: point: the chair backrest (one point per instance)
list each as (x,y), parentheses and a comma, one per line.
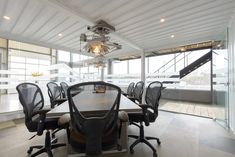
(31,98)
(130,89)
(64,87)
(138,91)
(153,95)
(54,92)
(97,128)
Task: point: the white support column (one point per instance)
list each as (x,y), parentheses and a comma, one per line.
(110,66)
(143,66)
(102,74)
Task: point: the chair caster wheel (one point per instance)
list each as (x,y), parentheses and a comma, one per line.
(158,142)
(131,151)
(30,150)
(154,154)
(119,147)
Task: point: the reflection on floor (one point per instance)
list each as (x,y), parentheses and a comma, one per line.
(192,108)
(181,136)
(10,107)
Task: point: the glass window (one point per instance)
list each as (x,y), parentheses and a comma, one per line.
(75,57)
(199,78)
(84,69)
(17,65)
(135,66)
(93,69)
(77,70)
(120,67)
(31,61)
(19,71)
(163,63)
(17,59)
(44,62)
(63,56)
(23,65)
(194,55)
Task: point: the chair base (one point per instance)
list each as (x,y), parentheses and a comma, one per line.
(143,139)
(67,132)
(47,148)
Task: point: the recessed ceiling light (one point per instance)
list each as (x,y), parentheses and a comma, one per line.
(172,36)
(60,35)
(182,49)
(162,20)
(6,17)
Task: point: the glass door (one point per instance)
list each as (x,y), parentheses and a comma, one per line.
(220,82)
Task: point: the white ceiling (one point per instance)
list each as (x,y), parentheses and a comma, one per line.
(136,21)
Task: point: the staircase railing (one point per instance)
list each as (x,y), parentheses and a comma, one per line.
(173,64)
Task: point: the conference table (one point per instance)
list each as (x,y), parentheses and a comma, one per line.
(93,102)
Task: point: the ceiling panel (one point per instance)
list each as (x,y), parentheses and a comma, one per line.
(136,21)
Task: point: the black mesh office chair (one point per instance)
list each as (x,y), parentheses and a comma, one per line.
(130,89)
(138,92)
(148,115)
(64,86)
(55,95)
(95,131)
(32,100)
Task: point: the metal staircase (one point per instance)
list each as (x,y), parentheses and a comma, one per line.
(196,64)
(175,77)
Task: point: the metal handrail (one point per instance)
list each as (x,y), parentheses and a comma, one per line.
(178,61)
(166,63)
(170,62)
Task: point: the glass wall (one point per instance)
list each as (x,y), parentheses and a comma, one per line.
(87,72)
(220,80)
(26,60)
(166,68)
(120,67)
(125,72)
(135,66)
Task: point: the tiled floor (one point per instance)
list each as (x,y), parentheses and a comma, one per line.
(181,136)
(192,108)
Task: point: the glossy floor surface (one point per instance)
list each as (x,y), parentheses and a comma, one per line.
(181,136)
(193,108)
(9,104)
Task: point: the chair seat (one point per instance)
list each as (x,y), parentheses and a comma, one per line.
(50,124)
(139,117)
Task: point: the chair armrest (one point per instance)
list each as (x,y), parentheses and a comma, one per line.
(125,94)
(42,112)
(60,101)
(146,113)
(41,121)
(132,99)
(145,106)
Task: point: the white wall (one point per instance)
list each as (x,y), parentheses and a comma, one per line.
(231,48)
